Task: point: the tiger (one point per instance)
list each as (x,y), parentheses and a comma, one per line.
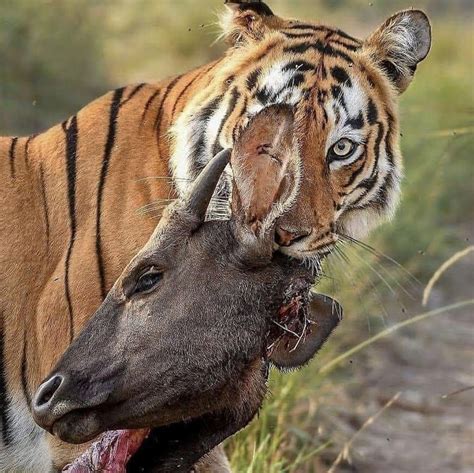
(70,196)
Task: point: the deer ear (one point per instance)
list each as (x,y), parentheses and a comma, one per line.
(400,44)
(265,167)
(290,351)
(245,20)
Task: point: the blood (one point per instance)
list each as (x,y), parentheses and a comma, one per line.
(109,454)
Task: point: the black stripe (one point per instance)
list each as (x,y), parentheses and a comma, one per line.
(24,369)
(260,8)
(237,127)
(299,66)
(11,154)
(298,35)
(350,47)
(305,26)
(134,92)
(348,37)
(4,401)
(356,173)
(204,115)
(230,108)
(370,181)
(71,156)
(45,204)
(296,81)
(149,102)
(338,96)
(372,113)
(159,116)
(263,95)
(341,75)
(356,123)
(381,199)
(378,142)
(323,48)
(361,161)
(109,144)
(199,75)
(27,150)
(391,71)
(185,89)
(388,140)
(252,79)
(367,185)
(337,112)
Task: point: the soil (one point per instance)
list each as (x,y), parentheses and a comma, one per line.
(428,429)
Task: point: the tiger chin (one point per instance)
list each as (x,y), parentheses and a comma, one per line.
(80,199)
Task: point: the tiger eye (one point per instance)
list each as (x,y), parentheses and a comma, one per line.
(343,147)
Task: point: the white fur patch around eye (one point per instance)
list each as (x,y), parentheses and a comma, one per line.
(278,83)
(350,105)
(355,99)
(275,78)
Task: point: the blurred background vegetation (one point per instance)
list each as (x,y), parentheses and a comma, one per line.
(57,55)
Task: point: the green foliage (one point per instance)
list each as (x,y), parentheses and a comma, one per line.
(50,62)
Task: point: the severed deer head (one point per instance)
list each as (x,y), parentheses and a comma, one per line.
(183,341)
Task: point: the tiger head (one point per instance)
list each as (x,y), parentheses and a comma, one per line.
(344,95)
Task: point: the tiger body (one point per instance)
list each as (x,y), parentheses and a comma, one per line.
(70,197)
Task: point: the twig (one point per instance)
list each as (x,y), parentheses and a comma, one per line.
(455,393)
(345,450)
(384,333)
(442,269)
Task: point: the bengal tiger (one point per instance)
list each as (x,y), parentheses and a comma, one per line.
(70,196)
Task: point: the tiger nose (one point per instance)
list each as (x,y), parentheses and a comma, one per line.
(285,237)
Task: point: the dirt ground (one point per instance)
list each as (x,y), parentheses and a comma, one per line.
(424,431)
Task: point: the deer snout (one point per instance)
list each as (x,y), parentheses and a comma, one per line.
(45,405)
(56,402)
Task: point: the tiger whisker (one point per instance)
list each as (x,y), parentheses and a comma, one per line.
(377,273)
(388,274)
(379,254)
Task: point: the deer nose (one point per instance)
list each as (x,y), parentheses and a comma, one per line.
(285,237)
(44,401)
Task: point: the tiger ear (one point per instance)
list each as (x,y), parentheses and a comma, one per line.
(400,44)
(245,20)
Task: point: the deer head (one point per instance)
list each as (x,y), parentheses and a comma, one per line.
(183,341)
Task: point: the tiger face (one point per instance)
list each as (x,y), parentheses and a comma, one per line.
(344,94)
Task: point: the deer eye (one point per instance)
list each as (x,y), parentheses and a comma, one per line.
(343,149)
(147,281)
